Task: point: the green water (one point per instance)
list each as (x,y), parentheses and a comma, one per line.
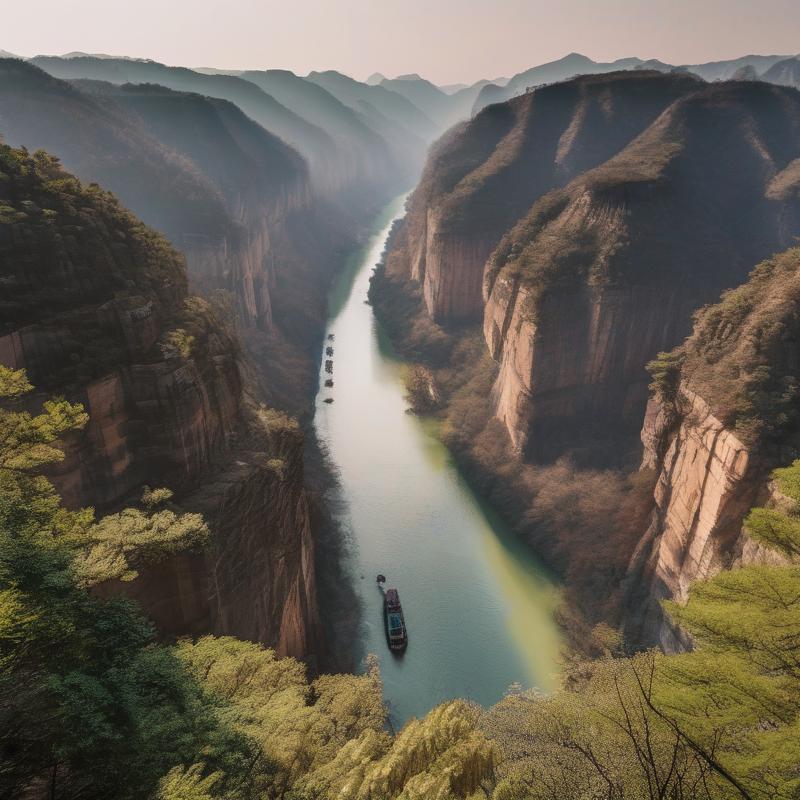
(478,607)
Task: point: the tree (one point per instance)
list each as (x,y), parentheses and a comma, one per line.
(82,682)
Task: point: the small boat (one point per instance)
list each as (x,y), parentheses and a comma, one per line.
(396,634)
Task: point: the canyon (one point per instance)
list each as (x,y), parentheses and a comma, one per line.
(573,230)
(581,226)
(203,396)
(96,307)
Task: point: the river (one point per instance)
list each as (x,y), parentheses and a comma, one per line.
(478,607)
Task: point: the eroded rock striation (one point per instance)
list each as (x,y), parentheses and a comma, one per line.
(724,414)
(95,307)
(485,174)
(605,273)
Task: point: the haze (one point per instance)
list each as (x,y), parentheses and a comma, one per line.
(444,40)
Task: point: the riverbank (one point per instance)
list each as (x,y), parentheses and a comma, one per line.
(559,511)
(479,607)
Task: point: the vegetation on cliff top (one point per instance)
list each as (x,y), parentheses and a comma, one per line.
(669,207)
(741,356)
(64,245)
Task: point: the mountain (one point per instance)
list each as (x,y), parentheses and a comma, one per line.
(194,167)
(443,108)
(621,204)
(745,73)
(451,88)
(375,79)
(377,102)
(485,174)
(562,69)
(576,64)
(784,73)
(607,272)
(725,70)
(369,157)
(313,143)
(100,143)
(722,416)
(95,308)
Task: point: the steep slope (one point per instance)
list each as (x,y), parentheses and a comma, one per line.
(604,273)
(443,108)
(95,307)
(368,156)
(194,167)
(314,144)
(391,105)
(723,415)
(784,73)
(484,175)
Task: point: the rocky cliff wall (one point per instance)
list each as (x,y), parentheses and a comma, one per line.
(95,308)
(483,176)
(708,480)
(574,367)
(602,275)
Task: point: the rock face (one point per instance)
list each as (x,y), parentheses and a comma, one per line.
(485,175)
(713,453)
(603,274)
(707,482)
(95,308)
(257,580)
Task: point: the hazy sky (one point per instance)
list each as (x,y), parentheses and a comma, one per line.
(445,40)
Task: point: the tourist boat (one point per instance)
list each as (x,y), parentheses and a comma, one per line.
(396,634)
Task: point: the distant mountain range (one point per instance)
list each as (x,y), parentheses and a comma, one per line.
(577,64)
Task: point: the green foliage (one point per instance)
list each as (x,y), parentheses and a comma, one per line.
(717,723)
(181,783)
(778,529)
(740,356)
(81,679)
(151,498)
(112,547)
(178,342)
(278,425)
(58,221)
(666,371)
(92,706)
(26,440)
(13,383)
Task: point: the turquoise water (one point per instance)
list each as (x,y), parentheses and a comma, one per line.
(478,607)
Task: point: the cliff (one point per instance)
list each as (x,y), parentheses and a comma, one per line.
(486,174)
(95,307)
(214,182)
(605,273)
(722,416)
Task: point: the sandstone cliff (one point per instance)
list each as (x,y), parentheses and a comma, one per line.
(604,273)
(95,307)
(714,452)
(485,174)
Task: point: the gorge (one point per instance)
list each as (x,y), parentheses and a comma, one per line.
(478,607)
(529,348)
